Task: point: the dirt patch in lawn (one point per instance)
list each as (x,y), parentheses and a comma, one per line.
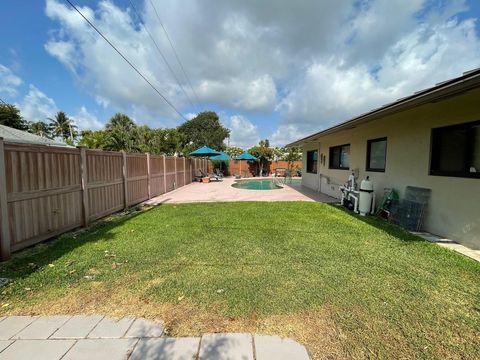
(315,329)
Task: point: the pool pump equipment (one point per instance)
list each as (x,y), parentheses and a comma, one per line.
(361,201)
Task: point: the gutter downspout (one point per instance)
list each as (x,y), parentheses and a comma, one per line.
(319,163)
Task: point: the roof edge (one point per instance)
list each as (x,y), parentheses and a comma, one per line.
(467,81)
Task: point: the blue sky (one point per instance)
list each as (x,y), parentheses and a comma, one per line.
(273,69)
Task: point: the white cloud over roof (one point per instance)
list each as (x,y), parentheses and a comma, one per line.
(313,63)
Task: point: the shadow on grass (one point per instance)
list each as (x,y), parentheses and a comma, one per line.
(27,261)
(381,224)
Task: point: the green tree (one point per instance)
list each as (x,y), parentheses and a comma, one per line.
(94,139)
(10,116)
(122,134)
(165,141)
(204,129)
(40,128)
(292,154)
(62,126)
(233,151)
(263,152)
(120,122)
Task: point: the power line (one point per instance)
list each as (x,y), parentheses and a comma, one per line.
(127,61)
(174,51)
(161,54)
(3,102)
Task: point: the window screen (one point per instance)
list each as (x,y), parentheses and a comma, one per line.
(376,154)
(340,157)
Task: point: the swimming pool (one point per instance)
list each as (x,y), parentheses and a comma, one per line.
(256,185)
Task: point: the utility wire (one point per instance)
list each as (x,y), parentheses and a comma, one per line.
(160,52)
(3,102)
(174,51)
(126,60)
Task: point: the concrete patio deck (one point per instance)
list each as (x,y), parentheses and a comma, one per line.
(222,191)
(98,337)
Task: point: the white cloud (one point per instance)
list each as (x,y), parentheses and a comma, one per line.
(100,70)
(9,82)
(63,51)
(190,116)
(86,120)
(331,91)
(256,94)
(285,134)
(36,106)
(243,133)
(313,62)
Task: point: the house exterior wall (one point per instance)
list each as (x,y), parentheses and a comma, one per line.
(454,209)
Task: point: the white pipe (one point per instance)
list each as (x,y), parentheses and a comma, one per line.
(372,211)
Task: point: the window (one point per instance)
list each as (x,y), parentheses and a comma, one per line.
(340,157)
(376,154)
(456,150)
(312,159)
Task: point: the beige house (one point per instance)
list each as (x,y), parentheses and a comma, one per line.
(430,139)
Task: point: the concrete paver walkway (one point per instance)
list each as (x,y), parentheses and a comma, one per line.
(220,191)
(98,337)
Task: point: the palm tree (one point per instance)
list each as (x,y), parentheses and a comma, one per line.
(63,127)
(40,128)
(120,122)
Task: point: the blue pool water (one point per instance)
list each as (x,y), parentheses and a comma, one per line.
(256,185)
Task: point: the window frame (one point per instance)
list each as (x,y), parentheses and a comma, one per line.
(330,157)
(306,163)
(433,160)
(369,152)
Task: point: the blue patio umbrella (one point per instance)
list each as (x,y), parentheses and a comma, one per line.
(245,156)
(221,157)
(204,151)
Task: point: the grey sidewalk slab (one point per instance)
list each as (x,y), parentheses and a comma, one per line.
(226,346)
(4,344)
(274,347)
(13,325)
(131,338)
(145,328)
(36,350)
(111,328)
(449,244)
(93,349)
(166,349)
(42,328)
(77,327)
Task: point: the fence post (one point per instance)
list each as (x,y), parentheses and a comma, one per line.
(125,178)
(84,176)
(4,222)
(164,175)
(148,176)
(184,172)
(176,182)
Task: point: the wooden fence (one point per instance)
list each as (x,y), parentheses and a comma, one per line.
(46,191)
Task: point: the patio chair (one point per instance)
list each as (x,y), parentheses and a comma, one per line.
(218,172)
(210,176)
(197,177)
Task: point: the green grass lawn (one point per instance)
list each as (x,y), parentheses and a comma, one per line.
(345,286)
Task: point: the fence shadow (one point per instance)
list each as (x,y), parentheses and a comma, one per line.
(29,260)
